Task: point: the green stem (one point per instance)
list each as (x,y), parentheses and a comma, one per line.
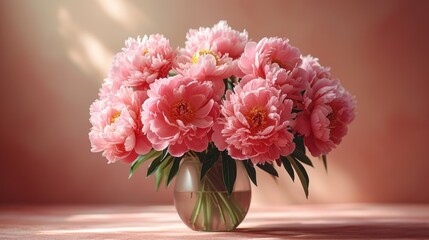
(197,208)
(219,207)
(231,214)
(192,154)
(208,195)
(226,203)
(208,206)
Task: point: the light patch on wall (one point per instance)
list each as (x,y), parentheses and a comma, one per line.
(78,59)
(123,13)
(95,52)
(84,49)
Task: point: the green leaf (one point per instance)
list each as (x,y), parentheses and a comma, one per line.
(250,170)
(299,142)
(201,156)
(162,171)
(268,168)
(174,169)
(325,162)
(230,86)
(299,155)
(294,110)
(288,167)
(172,73)
(302,174)
(229,168)
(210,159)
(141,159)
(155,163)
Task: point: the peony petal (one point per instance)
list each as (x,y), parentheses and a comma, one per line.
(177,150)
(205,110)
(203,122)
(197,100)
(130,142)
(217,137)
(143,145)
(130,158)
(197,145)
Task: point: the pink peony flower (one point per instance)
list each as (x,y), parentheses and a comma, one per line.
(255,123)
(206,66)
(292,83)
(268,51)
(179,114)
(141,62)
(221,38)
(314,70)
(108,88)
(211,54)
(116,126)
(328,109)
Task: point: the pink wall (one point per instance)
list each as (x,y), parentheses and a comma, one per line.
(54,55)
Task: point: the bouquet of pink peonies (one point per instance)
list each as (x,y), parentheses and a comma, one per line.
(220,98)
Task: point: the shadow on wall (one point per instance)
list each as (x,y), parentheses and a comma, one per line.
(56,55)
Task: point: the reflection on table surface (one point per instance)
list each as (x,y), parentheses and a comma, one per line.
(162,222)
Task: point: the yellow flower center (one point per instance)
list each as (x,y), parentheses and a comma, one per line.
(257,119)
(183,111)
(197,55)
(114,117)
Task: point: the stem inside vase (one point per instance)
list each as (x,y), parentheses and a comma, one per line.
(206,206)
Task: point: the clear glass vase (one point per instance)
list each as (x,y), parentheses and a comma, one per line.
(204,205)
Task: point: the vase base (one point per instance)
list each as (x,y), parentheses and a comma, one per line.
(212,211)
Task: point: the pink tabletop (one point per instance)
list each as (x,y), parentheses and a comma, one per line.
(162,222)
